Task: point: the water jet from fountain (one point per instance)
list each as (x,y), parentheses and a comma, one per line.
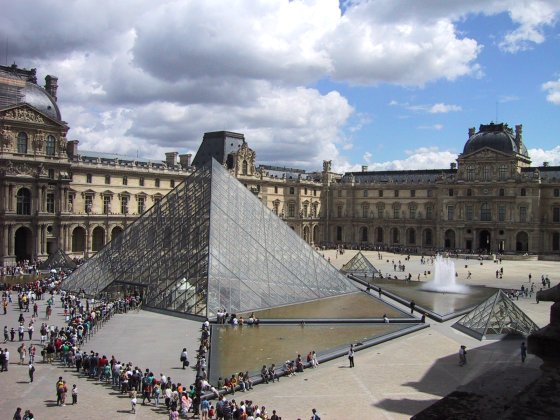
(444,278)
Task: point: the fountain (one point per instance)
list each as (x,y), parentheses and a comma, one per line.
(444,278)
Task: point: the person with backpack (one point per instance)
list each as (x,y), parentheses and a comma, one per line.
(60,391)
(315,416)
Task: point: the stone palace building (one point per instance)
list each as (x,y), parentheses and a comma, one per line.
(56,196)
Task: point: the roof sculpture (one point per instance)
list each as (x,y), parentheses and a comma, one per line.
(497,315)
(210,244)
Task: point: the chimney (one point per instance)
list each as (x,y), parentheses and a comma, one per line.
(519,136)
(364,168)
(453,166)
(185,160)
(171,159)
(472,132)
(72,148)
(51,85)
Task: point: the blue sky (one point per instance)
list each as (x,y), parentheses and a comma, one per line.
(394,84)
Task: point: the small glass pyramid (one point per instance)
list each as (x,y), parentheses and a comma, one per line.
(58,259)
(210,244)
(359,265)
(497,315)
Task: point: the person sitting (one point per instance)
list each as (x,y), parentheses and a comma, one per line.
(233,383)
(272,373)
(264,374)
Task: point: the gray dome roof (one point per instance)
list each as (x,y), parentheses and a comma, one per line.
(495,136)
(38,98)
(19,86)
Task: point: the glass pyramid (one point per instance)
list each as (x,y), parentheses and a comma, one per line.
(210,244)
(58,259)
(497,315)
(359,265)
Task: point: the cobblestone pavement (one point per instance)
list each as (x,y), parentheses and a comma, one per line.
(393,380)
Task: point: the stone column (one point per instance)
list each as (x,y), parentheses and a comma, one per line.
(11,197)
(10,240)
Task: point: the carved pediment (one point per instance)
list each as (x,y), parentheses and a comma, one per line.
(486,154)
(27,114)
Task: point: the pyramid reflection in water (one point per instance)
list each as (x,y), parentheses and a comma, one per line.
(211,244)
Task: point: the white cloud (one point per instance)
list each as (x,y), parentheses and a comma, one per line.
(553,91)
(538,156)
(436,127)
(155,76)
(422,158)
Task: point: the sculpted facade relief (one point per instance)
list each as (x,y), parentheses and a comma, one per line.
(7,138)
(23,114)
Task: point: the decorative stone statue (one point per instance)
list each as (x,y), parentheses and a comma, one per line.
(545,343)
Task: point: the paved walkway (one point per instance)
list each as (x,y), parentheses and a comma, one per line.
(393,380)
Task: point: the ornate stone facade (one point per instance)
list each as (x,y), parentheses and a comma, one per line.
(55,196)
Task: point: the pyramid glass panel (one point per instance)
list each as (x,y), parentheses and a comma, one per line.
(58,259)
(498,315)
(210,244)
(359,265)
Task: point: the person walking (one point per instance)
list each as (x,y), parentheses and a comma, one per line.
(184,358)
(31,371)
(351,355)
(462,355)
(523,352)
(74,394)
(412,305)
(314,415)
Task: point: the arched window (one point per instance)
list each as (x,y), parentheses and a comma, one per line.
(379,234)
(244,167)
(23,201)
(78,239)
(291,210)
(364,235)
(51,146)
(339,233)
(22,143)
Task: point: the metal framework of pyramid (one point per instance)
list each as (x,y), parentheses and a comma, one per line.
(496,316)
(58,259)
(210,244)
(359,265)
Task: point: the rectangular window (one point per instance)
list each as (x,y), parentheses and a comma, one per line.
(380,213)
(88,204)
(292,190)
(339,211)
(50,203)
(51,173)
(172,183)
(469,213)
(141,181)
(340,193)
(89,178)
(413,212)
(124,205)
(450,192)
(305,191)
(522,214)
(430,193)
(141,204)
(470,173)
(106,204)
(450,212)
(501,213)
(429,212)
(314,192)
(125,180)
(365,193)
(365,211)
(156,182)
(380,193)
(396,193)
(486,173)
(556,192)
(396,213)
(275,190)
(485,213)
(556,214)
(413,193)
(291,210)
(502,172)
(107,179)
